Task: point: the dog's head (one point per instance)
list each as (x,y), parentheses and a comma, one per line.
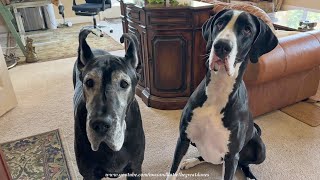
(108,87)
(232,36)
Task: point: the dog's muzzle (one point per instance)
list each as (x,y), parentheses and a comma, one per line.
(222,49)
(110,132)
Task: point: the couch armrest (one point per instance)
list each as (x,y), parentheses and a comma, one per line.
(294,54)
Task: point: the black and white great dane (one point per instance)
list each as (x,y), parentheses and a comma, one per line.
(109,137)
(217,119)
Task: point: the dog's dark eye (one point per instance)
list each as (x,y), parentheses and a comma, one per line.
(89,83)
(247,30)
(124,84)
(219,25)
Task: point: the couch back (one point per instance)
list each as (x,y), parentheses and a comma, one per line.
(218,6)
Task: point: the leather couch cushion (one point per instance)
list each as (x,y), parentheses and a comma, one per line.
(316,34)
(294,54)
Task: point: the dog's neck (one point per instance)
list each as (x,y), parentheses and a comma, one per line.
(219,85)
(241,72)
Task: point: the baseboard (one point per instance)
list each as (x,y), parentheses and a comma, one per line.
(111,13)
(290,7)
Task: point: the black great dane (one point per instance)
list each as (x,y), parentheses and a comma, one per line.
(109,137)
(217,119)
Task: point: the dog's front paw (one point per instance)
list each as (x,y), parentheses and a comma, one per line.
(189,163)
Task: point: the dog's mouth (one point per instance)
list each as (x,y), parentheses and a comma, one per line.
(95,145)
(96,141)
(215,66)
(217,63)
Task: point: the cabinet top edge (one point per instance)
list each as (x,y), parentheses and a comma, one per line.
(143,4)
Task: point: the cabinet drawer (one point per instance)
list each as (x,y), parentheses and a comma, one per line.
(169,18)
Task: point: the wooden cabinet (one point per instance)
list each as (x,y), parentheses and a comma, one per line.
(171,50)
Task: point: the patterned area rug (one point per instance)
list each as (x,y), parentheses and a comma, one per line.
(63,43)
(37,157)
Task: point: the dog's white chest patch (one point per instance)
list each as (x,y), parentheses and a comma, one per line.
(206,128)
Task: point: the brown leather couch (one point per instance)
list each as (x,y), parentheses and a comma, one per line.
(286,75)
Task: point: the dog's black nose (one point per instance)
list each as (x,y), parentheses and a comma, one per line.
(100,126)
(222,48)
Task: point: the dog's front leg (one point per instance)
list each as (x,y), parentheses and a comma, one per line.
(181,150)
(230,166)
(136,171)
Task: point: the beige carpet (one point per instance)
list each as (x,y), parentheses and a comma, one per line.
(44,91)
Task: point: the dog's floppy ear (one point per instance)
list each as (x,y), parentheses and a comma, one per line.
(207,27)
(131,53)
(264,42)
(84,50)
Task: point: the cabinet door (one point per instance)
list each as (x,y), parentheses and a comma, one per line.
(170,63)
(7,96)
